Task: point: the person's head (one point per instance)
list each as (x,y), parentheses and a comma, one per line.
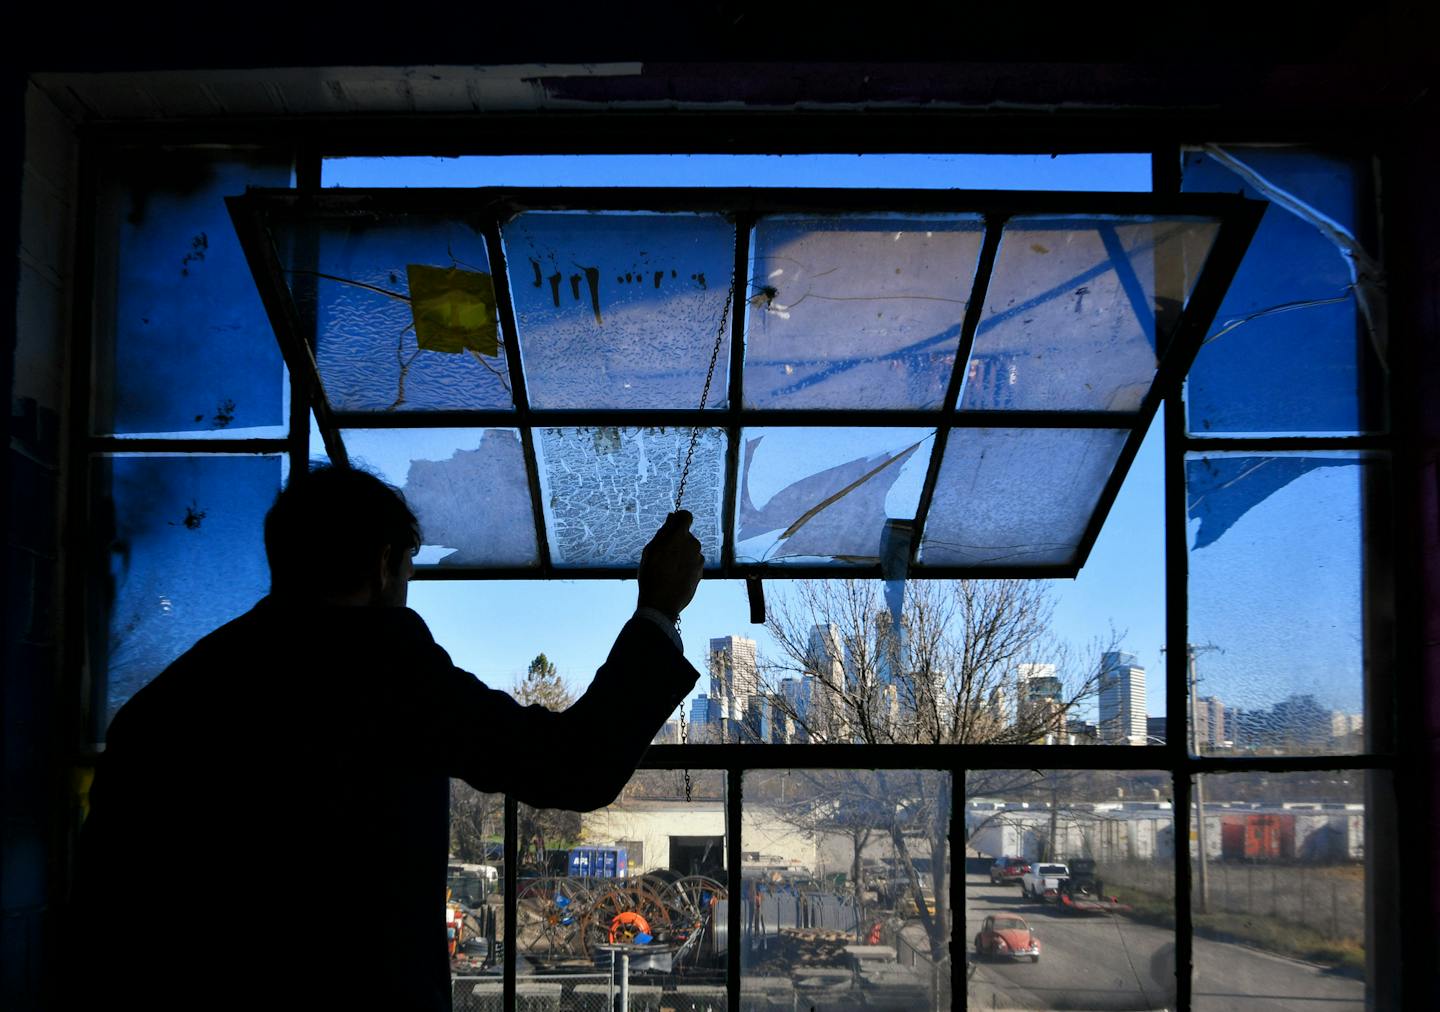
(340,535)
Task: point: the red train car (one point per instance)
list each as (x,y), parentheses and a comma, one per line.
(1256,836)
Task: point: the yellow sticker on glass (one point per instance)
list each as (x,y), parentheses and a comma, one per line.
(454,309)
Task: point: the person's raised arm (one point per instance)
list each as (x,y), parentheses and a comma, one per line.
(584,755)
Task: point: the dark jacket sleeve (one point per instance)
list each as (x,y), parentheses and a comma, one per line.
(580,758)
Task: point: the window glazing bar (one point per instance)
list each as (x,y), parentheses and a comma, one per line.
(505,310)
(506,202)
(298,352)
(984,268)
(735,392)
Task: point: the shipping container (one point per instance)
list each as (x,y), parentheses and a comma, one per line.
(599,862)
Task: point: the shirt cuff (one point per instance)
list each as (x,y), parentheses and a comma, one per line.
(664,622)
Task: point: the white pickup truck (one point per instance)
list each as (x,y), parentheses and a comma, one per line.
(1042,881)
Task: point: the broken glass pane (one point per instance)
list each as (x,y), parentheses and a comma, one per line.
(181,553)
(827,495)
(403,309)
(620,310)
(1017,497)
(182,343)
(1276,599)
(1077,308)
(467,487)
(607,490)
(857,311)
(1298,343)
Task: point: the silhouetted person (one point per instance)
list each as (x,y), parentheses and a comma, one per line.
(269,823)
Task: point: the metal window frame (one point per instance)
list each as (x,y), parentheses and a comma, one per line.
(490,208)
(1385,978)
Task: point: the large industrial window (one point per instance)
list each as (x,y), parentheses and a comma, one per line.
(892,384)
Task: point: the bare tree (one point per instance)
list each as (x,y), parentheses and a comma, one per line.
(971,661)
(968,662)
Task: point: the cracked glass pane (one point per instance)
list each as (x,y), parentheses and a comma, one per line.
(1277,600)
(1074,310)
(857,311)
(1298,344)
(1017,497)
(181,552)
(404,312)
(607,490)
(467,487)
(182,343)
(620,310)
(827,495)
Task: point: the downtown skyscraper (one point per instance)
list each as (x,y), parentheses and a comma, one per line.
(1122,700)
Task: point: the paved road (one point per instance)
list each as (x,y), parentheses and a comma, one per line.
(1114,963)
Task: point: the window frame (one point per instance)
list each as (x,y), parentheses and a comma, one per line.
(1385,733)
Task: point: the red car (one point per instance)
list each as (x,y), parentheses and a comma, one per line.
(1007,935)
(1008,869)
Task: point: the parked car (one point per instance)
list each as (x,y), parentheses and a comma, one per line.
(1043,882)
(1007,935)
(1008,869)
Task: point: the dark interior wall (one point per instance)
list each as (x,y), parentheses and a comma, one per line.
(1226,67)
(32,716)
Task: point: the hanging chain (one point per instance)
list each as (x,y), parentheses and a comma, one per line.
(685,474)
(705,393)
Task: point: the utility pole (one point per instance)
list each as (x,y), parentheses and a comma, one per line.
(1190,651)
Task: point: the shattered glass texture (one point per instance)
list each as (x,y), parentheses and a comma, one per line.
(857,311)
(825,495)
(1074,310)
(182,343)
(1277,595)
(1017,497)
(1298,343)
(620,310)
(467,488)
(182,553)
(366,346)
(607,490)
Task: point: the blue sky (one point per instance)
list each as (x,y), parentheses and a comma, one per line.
(494,628)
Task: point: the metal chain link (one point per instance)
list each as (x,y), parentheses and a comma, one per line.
(685,475)
(705,393)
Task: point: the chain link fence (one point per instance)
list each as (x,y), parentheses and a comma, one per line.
(1327,899)
(581,992)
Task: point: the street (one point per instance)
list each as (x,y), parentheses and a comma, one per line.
(1111,962)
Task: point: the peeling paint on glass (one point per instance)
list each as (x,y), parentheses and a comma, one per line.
(354,281)
(1017,497)
(1075,308)
(1297,345)
(181,552)
(607,490)
(857,311)
(825,495)
(1276,587)
(619,310)
(467,487)
(182,343)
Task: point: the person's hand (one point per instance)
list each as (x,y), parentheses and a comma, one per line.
(670,566)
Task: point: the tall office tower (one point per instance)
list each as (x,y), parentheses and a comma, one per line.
(828,719)
(700,710)
(794,699)
(733,670)
(1040,700)
(1210,722)
(1122,700)
(999,712)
